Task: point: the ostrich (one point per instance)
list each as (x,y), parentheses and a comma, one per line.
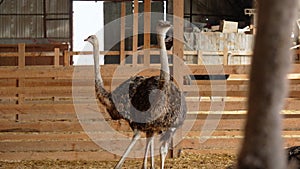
(262,145)
(152,105)
(293,154)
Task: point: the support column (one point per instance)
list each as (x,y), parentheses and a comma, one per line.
(147,30)
(178,24)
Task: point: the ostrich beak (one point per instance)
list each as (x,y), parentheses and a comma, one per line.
(87,39)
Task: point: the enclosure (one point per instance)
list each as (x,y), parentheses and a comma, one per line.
(43,96)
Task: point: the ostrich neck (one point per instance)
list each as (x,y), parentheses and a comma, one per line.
(102,94)
(98,77)
(165,70)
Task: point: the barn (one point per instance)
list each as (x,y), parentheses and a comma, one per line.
(51,118)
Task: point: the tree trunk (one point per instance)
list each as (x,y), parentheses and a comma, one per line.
(262,147)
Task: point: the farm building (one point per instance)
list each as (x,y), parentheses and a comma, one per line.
(48,107)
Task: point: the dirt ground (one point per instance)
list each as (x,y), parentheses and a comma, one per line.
(186,160)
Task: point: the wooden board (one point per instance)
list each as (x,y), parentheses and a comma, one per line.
(41,127)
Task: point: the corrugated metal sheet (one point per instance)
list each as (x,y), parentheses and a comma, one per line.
(17,19)
(57,6)
(25,19)
(21,27)
(57,29)
(21,7)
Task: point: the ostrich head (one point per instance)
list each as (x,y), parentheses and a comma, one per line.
(162,27)
(92,39)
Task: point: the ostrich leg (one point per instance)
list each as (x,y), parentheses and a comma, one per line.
(152,153)
(163,153)
(165,145)
(150,145)
(135,137)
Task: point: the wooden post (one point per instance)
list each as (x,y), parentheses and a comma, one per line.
(21,53)
(56,64)
(122,43)
(178,21)
(225,56)
(20,95)
(199,57)
(66,58)
(21,65)
(262,147)
(56,57)
(147,30)
(178,39)
(135,32)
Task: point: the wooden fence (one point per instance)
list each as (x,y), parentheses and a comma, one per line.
(40,120)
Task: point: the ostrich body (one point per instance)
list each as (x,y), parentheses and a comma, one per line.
(149,104)
(293,154)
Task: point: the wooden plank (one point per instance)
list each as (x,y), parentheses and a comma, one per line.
(63,125)
(122,34)
(89,81)
(101,155)
(38,108)
(67,91)
(50,82)
(290,104)
(30,54)
(34,47)
(48,146)
(89,146)
(195,52)
(46,109)
(221,143)
(8,82)
(70,82)
(88,91)
(90,52)
(147,31)
(82,53)
(40,126)
(44,136)
(70,156)
(82,135)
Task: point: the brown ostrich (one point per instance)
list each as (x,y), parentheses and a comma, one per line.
(149,104)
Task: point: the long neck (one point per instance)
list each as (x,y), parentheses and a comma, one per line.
(102,94)
(98,77)
(165,70)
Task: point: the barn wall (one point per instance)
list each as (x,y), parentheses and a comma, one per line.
(112,14)
(35,21)
(214,10)
(44,23)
